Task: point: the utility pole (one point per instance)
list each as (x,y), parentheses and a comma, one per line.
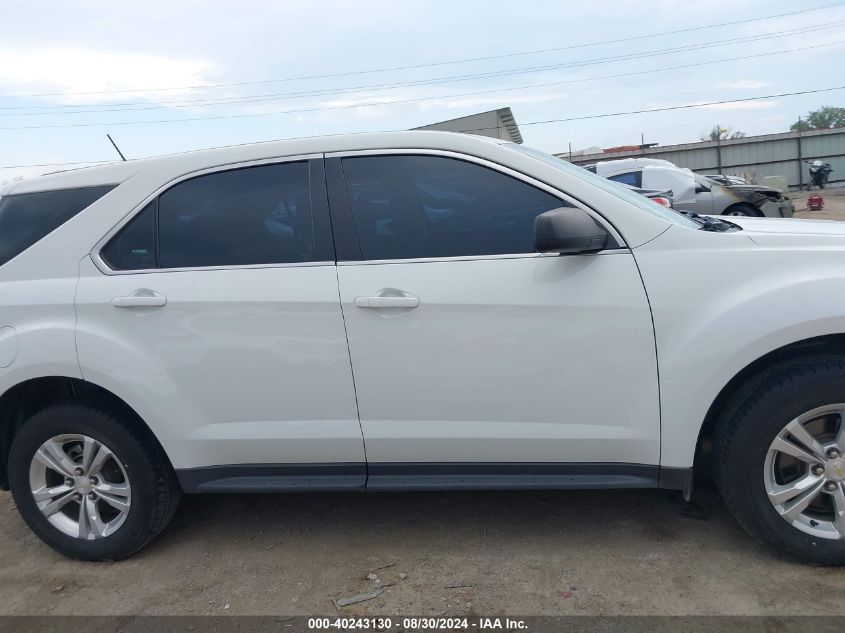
(800,159)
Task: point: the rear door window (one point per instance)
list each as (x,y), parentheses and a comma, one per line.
(28,217)
(240,217)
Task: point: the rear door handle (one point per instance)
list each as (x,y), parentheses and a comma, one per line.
(140,299)
(386,302)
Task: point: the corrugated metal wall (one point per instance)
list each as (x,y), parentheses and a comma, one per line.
(755,156)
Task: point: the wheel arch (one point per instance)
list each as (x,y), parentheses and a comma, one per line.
(21,401)
(828,344)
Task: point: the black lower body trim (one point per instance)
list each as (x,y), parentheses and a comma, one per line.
(274,478)
(381,477)
(509,476)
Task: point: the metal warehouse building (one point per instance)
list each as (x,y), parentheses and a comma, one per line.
(755,156)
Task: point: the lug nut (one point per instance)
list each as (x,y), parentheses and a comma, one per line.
(830,486)
(68,481)
(78,496)
(817,469)
(833,453)
(94,481)
(92,496)
(78,472)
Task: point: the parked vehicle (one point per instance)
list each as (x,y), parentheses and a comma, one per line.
(663,198)
(819,174)
(727,180)
(697,193)
(407,311)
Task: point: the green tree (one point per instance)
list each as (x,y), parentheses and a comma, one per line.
(821,119)
(719,133)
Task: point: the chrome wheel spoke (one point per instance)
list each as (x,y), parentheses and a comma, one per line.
(781,494)
(84,528)
(55,458)
(46,494)
(785,446)
(54,505)
(839,509)
(98,459)
(796,429)
(117,502)
(95,523)
(796,506)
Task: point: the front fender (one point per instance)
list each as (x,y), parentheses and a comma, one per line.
(721,302)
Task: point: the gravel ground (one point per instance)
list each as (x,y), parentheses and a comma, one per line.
(549,553)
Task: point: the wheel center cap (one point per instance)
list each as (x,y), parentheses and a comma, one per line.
(835,469)
(82,485)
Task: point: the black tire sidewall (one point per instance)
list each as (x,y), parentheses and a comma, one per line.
(741,464)
(133,456)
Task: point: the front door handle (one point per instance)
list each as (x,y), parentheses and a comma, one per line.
(386,302)
(142,298)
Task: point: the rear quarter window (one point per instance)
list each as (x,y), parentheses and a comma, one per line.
(28,217)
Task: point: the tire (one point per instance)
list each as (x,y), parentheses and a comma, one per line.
(746,460)
(133,499)
(743,209)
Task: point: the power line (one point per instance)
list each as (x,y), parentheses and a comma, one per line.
(441,80)
(382,103)
(703,104)
(454,95)
(433,64)
(687,106)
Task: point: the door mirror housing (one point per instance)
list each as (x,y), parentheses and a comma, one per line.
(568,231)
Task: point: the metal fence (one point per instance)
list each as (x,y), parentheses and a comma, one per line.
(757,157)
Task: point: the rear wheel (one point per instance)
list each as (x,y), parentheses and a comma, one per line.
(779,459)
(89,484)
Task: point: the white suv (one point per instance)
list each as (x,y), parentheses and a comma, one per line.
(410,311)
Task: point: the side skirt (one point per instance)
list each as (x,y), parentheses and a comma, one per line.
(385,477)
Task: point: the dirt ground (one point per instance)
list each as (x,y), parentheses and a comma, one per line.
(578,552)
(834,204)
(549,553)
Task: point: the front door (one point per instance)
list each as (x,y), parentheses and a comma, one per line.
(471,353)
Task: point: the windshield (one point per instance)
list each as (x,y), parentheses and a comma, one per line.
(607,185)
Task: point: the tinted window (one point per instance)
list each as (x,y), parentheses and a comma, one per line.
(28,217)
(255,215)
(134,247)
(633,178)
(430,206)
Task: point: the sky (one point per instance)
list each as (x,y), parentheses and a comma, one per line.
(177,75)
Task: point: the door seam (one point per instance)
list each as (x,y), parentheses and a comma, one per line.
(352,372)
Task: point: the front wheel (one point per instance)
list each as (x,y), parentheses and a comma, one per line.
(743,210)
(780,459)
(89,484)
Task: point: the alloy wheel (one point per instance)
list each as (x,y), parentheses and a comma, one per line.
(804,472)
(80,486)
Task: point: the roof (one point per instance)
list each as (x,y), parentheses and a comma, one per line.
(185,162)
(498,123)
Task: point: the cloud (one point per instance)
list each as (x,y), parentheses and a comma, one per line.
(742,84)
(80,70)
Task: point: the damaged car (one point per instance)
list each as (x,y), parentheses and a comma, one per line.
(694,192)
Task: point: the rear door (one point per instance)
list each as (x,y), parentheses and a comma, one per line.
(215,309)
(473,355)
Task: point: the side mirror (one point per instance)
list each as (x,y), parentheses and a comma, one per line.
(701,189)
(568,230)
